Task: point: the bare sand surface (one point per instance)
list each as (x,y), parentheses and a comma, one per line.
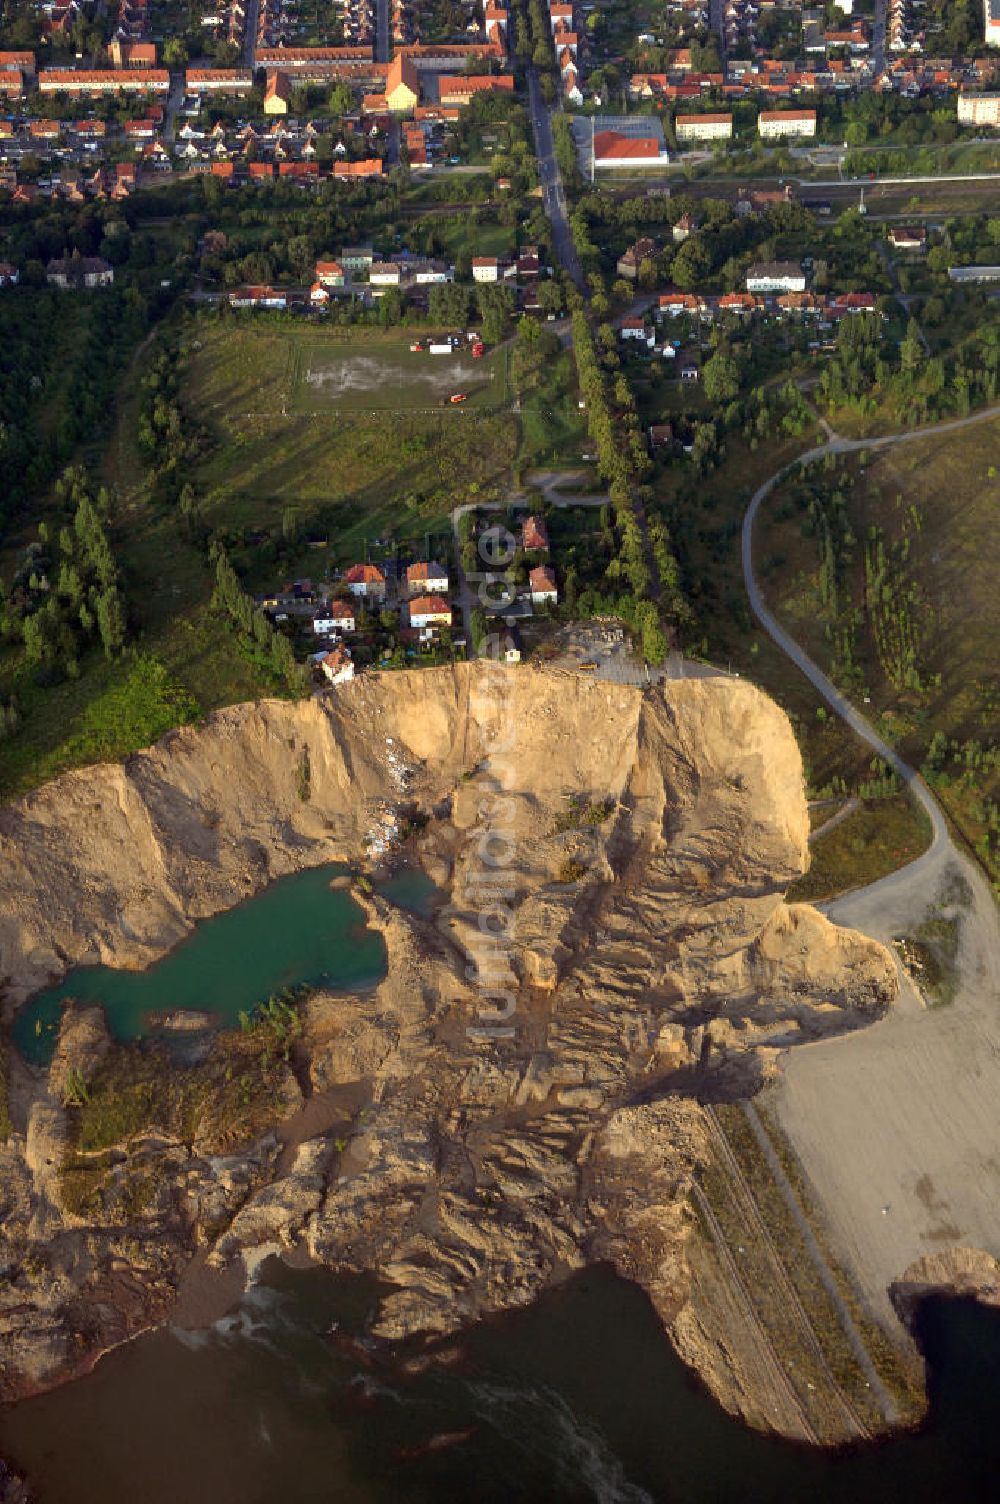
(898,1126)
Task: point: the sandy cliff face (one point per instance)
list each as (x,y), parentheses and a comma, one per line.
(613,941)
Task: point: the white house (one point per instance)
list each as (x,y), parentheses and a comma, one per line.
(427,579)
(429,611)
(385,274)
(776,276)
(711,127)
(489,269)
(542,583)
(79,271)
(8,274)
(341,614)
(991,22)
(635,329)
(337,665)
(979,109)
(773,125)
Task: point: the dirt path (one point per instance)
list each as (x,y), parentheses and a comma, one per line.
(846,809)
(897,1125)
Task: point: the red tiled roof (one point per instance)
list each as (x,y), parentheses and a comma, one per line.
(429,605)
(610,144)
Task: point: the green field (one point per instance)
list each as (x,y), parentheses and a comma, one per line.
(351,476)
(360,475)
(387,376)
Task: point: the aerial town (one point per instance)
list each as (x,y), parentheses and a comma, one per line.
(499,751)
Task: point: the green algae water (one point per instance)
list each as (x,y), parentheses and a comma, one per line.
(410,889)
(298,930)
(578,1399)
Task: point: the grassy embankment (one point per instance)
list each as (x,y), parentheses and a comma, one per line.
(351,476)
(916,638)
(241,1088)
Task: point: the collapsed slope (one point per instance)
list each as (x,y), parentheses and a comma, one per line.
(523,1085)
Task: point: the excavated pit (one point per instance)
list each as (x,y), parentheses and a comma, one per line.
(520,1095)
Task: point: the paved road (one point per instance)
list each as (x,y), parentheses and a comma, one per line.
(174,100)
(553,194)
(250,35)
(879,36)
(381,31)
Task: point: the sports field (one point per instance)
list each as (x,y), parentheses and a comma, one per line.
(386,375)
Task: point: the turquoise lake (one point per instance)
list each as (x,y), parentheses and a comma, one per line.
(298,930)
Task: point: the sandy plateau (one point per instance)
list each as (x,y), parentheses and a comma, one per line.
(654,965)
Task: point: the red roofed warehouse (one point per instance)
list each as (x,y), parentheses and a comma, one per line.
(612,149)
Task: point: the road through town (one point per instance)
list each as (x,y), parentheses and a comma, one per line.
(553,194)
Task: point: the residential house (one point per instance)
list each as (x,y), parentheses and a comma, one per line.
(429,612)
(991,22)
(489,269)
(534,535)
(775,276)
(218,80)
(800,304)
(708,127)
(385,274)
(427,579)
(673,304)
(908,237)
(542,584)
(337,665)
(319,297)
(979,109)
(367,167)
(631,260)
(8,274)
(683,228)
(258,297)
(78,271)
(739,303)
(634,329)
(774,125)
(661,435)
(330,274)
(357,259)
(104,81)
(962,274)
(366,581)
(460,88)
(333,617)
(851,303)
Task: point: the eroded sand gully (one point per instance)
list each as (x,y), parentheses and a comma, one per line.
(475,1170)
